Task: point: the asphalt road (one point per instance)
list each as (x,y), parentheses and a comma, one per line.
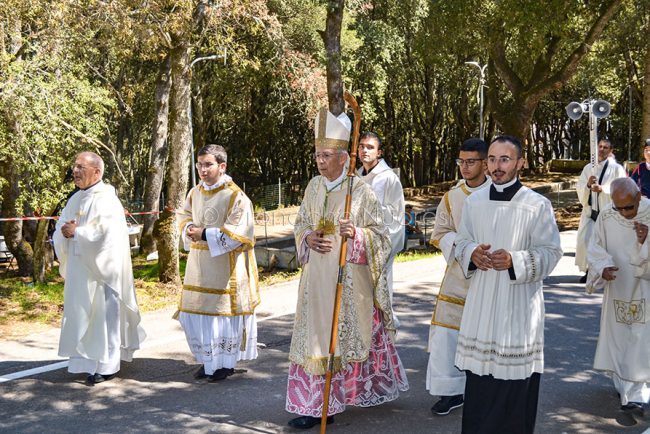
(157,393)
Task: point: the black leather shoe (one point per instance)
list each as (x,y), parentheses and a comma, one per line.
(200,373)
(306,422)
(99,378)
(447,404)
(221,374)
(583,279)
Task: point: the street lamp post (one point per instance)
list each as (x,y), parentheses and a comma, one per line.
(479,94)
(189,108)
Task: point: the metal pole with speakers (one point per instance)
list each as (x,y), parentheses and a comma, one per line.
(597,109)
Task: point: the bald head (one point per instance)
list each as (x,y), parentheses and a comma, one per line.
(625,196)
(88,169)
(624,186)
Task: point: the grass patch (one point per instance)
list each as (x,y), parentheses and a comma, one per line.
(414,255)
(21,300)
(25,306)
(267,278)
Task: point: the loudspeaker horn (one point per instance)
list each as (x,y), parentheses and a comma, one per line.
(601,108)
(574,110)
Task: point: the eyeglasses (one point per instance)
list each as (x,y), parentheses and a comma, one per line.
(323,155)
(206,166)
(623,208)
(81,168)
(469,162)
(501,160)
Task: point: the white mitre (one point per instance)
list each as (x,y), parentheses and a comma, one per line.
(332,131)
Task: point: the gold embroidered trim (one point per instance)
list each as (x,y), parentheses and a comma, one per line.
(435,309)
(182,224)
(233,281)
(332,143)
(442,324)
(216,291)
(235,191)
(463,187)
(447,204)
(214,190)
(239,238)
(216,314)
(452,300)
(318,365)
(199,246)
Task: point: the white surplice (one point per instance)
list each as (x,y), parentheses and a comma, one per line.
(502,329)
(388,189)
(624,341)
(101,320)
(585,228)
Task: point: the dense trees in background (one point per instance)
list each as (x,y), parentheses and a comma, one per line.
(118,77)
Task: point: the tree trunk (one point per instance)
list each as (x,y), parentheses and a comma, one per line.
(515,119)
(645,126)
(158,156)
(200,138)
(332,40)
(13,230)
(177,168)
(42,250)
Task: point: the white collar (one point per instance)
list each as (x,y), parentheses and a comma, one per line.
(94,188)
(486,183)
(224,178)
(502,187)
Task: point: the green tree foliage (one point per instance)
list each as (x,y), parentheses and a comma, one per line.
(82,75)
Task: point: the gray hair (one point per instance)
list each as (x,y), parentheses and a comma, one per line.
(95,160)
(625,186)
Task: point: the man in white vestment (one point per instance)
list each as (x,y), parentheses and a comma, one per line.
(366,368)
(508,242)
(618,262)
(443,378)
(388,189)
(590,185)
(101,320)
(220,288)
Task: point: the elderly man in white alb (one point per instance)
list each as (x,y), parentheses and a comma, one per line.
(100,314)
(592,185)
(220,290)
(388,189)
(367,370)
(508,242)
(618,257)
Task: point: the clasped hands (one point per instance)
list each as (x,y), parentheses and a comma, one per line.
(485,260)
(194,233)
(317,241)
(68,228)
(592,184)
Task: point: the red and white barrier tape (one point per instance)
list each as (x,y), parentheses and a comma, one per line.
(16,219)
